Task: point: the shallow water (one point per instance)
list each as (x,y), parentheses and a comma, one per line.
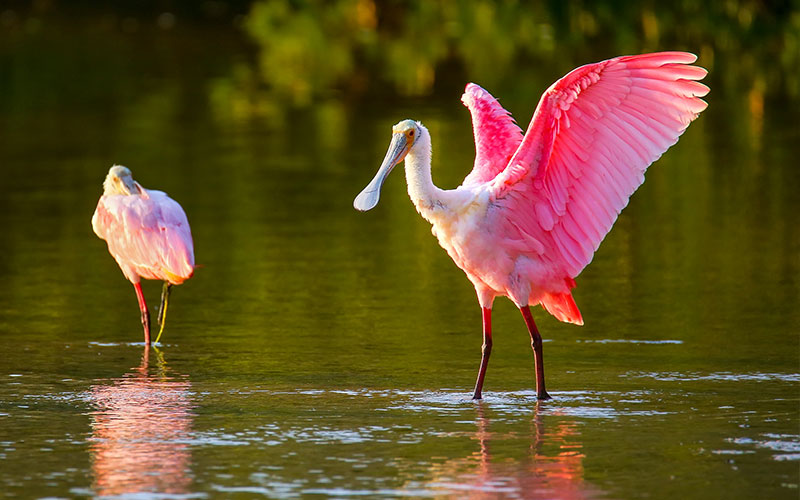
(156,428)
(320,352)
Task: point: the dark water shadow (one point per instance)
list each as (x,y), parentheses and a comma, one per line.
(139,431)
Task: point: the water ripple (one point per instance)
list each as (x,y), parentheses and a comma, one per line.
(629,341)
(716,376)
(786,446)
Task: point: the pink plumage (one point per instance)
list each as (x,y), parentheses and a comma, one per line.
(593,135)
(534,209)
(497,135)
(147,233)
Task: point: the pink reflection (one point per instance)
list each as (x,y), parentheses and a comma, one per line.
(140,431)
(552,466)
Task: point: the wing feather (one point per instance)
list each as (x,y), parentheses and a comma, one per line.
(593,135)
(497,136)
(148,236)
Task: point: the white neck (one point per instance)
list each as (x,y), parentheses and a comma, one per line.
(425,195)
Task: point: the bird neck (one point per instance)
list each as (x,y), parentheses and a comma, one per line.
(125,186)
(425,195)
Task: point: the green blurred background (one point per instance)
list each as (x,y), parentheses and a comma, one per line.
(276,55)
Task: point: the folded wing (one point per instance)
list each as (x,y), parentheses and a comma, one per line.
(147,236)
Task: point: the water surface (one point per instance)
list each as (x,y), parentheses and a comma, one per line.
(320,352)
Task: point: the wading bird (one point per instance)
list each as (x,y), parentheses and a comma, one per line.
(147,234)
(535,207)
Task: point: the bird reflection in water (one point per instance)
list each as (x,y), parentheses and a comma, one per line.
(552,466)
(140,430)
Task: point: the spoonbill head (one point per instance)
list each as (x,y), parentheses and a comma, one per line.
(119,181)
(404,136)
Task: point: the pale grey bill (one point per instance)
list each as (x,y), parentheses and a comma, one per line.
(369,196)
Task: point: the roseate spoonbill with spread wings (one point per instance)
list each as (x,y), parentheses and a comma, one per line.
(147,234)
(535,207)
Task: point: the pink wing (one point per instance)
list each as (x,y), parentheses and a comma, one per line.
(497,136)
(149,236)
(593,135)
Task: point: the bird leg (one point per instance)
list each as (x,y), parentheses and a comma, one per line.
(486,350)
(162,308)
(145,312)
(536,344)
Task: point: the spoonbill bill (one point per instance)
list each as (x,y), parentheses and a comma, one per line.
(147,234)
(535,207)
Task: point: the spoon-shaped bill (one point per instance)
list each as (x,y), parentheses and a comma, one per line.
(369,196)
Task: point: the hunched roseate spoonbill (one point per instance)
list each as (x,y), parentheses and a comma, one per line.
(533,210)
(148,235)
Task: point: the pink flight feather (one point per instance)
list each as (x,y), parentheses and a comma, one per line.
(593,135)
(497,135)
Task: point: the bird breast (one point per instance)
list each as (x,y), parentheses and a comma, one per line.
(485,243)
(465,231)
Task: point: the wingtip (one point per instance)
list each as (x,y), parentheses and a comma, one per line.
(471,87)
(471,92)
(661,58)
(684,56)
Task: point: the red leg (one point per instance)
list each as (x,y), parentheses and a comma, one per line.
(486,350)
(145,312)
(536,344)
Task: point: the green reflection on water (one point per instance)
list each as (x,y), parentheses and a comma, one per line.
(300,297)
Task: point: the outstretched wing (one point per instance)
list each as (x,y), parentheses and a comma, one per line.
(497,136)
(593,135)
(148,236)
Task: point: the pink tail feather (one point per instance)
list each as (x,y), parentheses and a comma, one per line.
(563,307)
